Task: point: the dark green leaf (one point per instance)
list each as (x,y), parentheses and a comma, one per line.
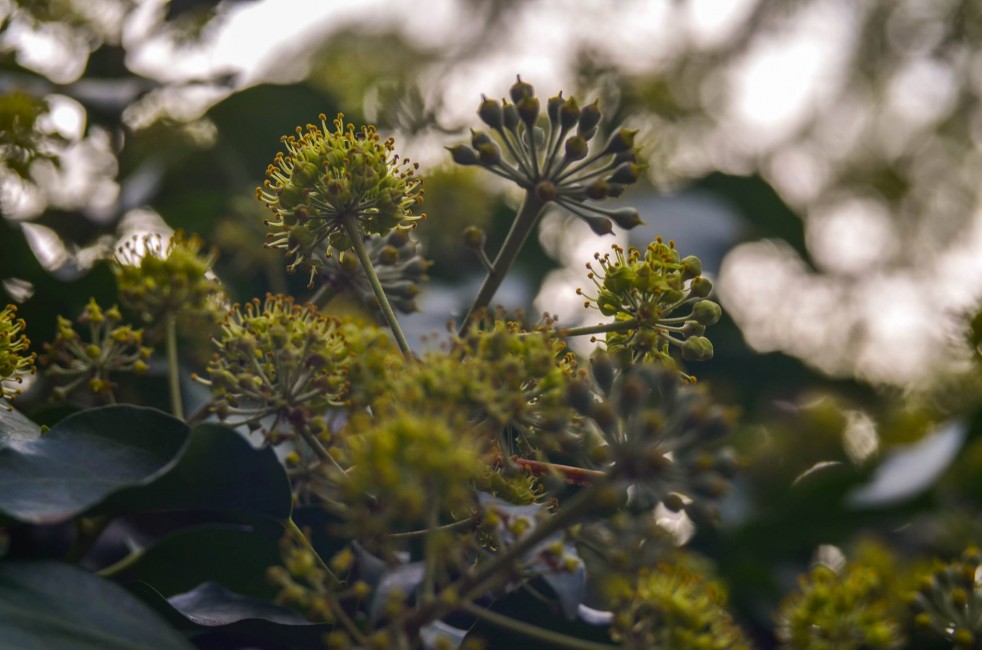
(54,605)
(235,557)
(85,458)
(14,427)
(220,471)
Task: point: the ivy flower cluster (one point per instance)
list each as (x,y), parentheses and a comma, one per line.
(14,361)
(643,291)
(279,361)
(949,601)
(659,437)
(157,279)
(398,264)
(329,177)
(553,159)
(108,348)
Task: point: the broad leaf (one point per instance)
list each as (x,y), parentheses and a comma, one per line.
(55,605)
(15,428)
(234,556)
(220,470)
(85,458)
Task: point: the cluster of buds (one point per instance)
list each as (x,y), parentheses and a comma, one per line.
(659,437)
(949,601)
(671,607)
(397,262)
(643,292)
(108,348)
(554,160)
(327,177)
(277,360)
(173,278)
(409,468)
(14,363)
(848,608)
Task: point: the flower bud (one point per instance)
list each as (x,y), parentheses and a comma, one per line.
(697,348)
(528,110)
(490,113)
(622,140)
(521,90)
(691,267)
(626,174)
(597,190)
(509,115)
(569,114)
(489,154)
(552,107)
(706,312)
(463,155)
(474,237)
(576,148)
(693,328)
(602,369)
(701,287)
(626,218)
(599,225)
(589,119)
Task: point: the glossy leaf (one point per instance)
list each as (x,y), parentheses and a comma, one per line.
(15,427)
(220,470)
(85,458)
(55,605)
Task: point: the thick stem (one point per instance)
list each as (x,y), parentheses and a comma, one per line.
(533,631)
(357,242)
(525,220)
(173,367)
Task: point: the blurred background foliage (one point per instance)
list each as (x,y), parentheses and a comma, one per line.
(821,156)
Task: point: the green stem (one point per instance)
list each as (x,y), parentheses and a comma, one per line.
(356,237)
(619,326)
(301,539)
(121,565)
(525,220)
(533,631)
(173,367)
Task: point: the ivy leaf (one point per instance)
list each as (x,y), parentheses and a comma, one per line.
(219,471)
(15,428)
(403,579)
(228,619)
(85,458)
(55,605)
(440,636)
(569,584)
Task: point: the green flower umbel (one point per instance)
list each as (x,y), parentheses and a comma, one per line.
(327,176)
(13,362)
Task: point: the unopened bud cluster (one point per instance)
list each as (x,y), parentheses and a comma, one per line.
(660,436)
(397,262)
(950,601)
(556,157)
(157,278)
(648,290)
(327,176)
(279,366)
(14,359)
(78,362)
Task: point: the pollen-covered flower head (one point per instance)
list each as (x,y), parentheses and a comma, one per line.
(644,291)
(327,176)
(279,361)
(950,598)
(14,361)
(156,278)
(76,361)
(556,156)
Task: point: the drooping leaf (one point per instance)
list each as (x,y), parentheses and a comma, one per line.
(234,556)
(55,605)
(220,471)
(232,620)
(85,458)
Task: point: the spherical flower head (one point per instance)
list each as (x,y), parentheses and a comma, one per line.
(950,598)
(15,362)
(552,155)
(410,463)
(280,361)
(327,176)
(644,292)
(846,609)
(398,264)
(671,607)
(173,278)
(87,362)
